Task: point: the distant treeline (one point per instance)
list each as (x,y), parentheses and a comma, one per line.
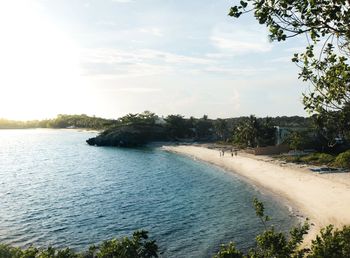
(140,128)
(248,131)
(92,122)
(61,121)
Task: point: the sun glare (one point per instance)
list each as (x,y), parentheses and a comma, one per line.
(39,64)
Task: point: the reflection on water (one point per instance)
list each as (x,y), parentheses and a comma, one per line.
(56,190)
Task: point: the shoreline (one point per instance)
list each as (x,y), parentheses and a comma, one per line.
(322,198)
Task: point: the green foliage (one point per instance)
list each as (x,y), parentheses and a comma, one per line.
(333,125)
(229,251)
(177,126)
(32,252)
(260,211)
(246,133)
(61,121)
(295,140)
(221,129)
(203,127)
(331,243)
(318,158)
(136,247)
(270,243)
(145,117)
(312,158)
(79,121)
(326,68)
(254,132)
(275,244)
(343,160)
(289,158)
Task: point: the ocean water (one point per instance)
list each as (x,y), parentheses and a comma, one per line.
(56,190)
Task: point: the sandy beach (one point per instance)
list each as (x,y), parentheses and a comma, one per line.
(323,198)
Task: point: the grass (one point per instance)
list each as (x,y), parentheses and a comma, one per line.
(312,158)
(341,160)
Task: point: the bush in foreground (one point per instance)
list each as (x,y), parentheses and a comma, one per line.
(135,247)
(330,243)
(343,160)
(318,158)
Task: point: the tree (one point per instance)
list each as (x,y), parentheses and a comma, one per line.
(145,117)
(267,132)
(177,126)
(295,141)
(326,26)
(138,246)
(203,127)
(270,243)
(255,132)
(221,129)
(246,132)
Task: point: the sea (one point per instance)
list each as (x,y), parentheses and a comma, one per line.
(55,190)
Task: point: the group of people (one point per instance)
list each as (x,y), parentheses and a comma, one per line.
(222,152)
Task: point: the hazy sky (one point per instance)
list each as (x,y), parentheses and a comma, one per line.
(112,57)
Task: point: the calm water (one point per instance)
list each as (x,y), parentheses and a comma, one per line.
(56,190)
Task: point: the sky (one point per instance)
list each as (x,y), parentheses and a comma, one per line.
(112,57)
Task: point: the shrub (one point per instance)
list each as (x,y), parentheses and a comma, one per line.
(136,247)
(318,158)
(343,159)
(330,243)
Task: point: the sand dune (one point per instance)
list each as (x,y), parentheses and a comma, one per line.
(323,198)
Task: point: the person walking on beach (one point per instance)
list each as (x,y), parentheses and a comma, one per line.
(223,152)
(235,152)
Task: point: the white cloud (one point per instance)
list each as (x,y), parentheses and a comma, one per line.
(106,23)
(137,90)
(123,1)
(238,40)
(239,46)
(238,71)
(111,55)
(153,31)
(142,62)
(282,59)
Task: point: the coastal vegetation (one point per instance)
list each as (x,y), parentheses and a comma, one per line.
(329,243)
(139,129)
(254,132)
(341,160)
(299,133)
(324,65)
(325,61)
(136,246)
(61,121)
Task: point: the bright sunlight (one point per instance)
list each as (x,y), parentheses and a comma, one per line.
(39,64)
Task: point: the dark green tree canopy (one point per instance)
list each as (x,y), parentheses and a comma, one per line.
(325,62)
(323,22)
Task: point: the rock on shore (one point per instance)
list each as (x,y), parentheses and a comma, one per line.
(129,135)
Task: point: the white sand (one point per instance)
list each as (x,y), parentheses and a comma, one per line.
(323,198)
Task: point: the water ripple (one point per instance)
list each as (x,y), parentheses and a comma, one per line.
(56,190)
